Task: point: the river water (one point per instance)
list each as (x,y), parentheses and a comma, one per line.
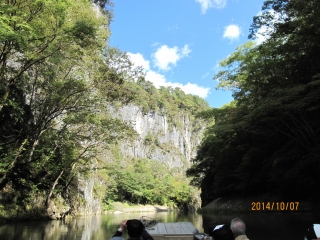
(260,225)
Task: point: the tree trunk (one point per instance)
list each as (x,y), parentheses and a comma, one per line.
(52,189)
(52,210)
(3,180)
(4,99)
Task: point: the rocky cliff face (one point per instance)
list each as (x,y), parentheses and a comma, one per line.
(172,142)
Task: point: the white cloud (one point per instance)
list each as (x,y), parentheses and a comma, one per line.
(185,50)
(165,57)
(189,88)
(206,4)
(232,32)
(160,80)
(194,89)
(138,60)
(156,78)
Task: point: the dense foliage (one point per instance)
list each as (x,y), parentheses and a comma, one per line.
(268,139)
(52,98)
(170,101)
(57,78)
(146,181)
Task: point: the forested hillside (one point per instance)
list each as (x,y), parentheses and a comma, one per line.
(268,139)
(59,81)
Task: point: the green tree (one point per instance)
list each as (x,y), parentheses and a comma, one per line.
(32,31)
(145,181)
(53,113)
(268,141)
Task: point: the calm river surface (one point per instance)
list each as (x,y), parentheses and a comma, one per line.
(260,225)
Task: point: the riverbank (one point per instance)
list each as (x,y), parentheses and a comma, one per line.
(258,203)
(118,207)
(14,213)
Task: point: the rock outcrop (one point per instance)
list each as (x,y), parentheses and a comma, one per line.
(171,143)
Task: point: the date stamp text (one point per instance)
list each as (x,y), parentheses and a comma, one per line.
(274,206)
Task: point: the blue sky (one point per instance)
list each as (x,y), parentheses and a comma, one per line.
(180,43)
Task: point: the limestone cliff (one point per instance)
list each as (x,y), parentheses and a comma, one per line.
(172,142)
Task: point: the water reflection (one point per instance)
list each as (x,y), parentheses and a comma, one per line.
(262,226)
(80,228)
(86,228)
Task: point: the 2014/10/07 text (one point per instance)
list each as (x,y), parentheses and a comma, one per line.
(276,206)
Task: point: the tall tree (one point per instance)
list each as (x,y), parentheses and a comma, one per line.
(270,137)
(53,73)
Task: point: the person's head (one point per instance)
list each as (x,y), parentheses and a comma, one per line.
(222,232)
(238,227)
(135,228)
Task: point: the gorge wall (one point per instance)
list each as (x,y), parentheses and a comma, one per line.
(171,141)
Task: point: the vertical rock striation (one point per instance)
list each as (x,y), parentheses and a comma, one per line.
(171,142)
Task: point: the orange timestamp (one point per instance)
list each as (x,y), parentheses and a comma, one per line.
(276,206)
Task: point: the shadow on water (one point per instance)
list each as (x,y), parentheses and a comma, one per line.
(260,225)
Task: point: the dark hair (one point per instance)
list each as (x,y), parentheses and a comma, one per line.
(135,228)
(223,233)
